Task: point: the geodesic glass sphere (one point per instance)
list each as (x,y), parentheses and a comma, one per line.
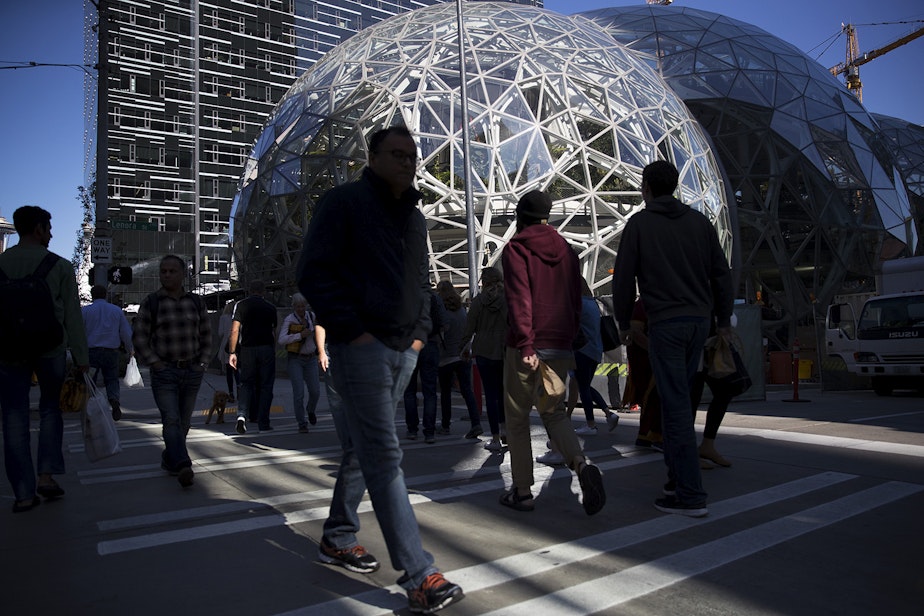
(554,104)
(820,202)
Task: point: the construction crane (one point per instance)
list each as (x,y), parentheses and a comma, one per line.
(851,65)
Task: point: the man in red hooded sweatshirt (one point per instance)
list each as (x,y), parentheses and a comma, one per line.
(543,286)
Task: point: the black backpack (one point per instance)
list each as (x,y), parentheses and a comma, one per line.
(28,325)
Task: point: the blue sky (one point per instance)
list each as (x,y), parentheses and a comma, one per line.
(41,109)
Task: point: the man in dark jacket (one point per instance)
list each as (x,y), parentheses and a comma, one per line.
(543,288)
(363,269)
(252,352)
(673,252)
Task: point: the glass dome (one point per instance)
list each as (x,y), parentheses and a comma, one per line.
(819,201)
(553,103)
(906,141)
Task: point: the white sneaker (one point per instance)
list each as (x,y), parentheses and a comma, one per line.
(612,421)
(586,430)
(493,445)
(552,458)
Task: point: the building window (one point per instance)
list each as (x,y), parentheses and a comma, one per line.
(144,191)
(117,116)
(214,18)
(160,21)
(162,89)
(214,153)
(116,187)
(291,66)
(131,152)
(176,124)
(288,35)
(214,187)
(267,62)
(176,191)
(240,24)
(147,52)
(161,156)
(214,115)
(213,84)
(132,15)
(267,31)
(147,119)
(132,83)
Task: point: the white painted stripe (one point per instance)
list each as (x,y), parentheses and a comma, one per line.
(877,417)
(638,581)
(490,574)
(824,440)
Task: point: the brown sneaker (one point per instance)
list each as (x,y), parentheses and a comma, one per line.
(434,594)
(355,559)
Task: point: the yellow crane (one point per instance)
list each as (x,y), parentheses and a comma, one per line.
(850,67)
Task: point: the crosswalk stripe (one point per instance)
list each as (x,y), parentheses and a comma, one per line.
(635,582)
(507,569)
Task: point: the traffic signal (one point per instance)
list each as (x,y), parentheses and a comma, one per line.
(120,275)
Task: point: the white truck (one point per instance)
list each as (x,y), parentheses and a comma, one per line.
(884,339)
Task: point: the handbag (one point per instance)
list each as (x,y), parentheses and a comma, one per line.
(73,397)
(100,437)
(724,366)
(132,374)
(295,328)
(609,332)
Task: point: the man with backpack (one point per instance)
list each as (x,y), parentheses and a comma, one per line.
(39,319)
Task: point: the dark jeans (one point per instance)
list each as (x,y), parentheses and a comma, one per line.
(428,364)
(257,368)
(584,375)
(715,413)
(462,370)
(231,378)
(175,390)
(15,382)
(107,362)
(491,372)
(675,348)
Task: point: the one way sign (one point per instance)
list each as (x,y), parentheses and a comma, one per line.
(101,250)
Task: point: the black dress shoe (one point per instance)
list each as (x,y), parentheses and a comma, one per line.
(20,507)
(116,409)
(50,491)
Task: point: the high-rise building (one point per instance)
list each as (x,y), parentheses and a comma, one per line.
(188,86)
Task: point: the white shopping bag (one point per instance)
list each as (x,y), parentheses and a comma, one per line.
(132,374)
(100,436)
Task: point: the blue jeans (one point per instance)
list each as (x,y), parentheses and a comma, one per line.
(15,382)
(304,372)
(107,362)
(462,370)
(491,372)
(428,365)
(584,368)
(257,369)
(175,390)
(675,347)
(370,378)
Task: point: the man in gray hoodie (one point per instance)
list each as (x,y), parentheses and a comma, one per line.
(673,252)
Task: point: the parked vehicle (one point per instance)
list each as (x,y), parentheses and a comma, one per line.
(884,339)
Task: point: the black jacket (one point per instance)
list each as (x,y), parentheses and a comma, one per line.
(674,253)
(363,266)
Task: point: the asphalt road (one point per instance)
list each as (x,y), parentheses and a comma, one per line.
(819,514)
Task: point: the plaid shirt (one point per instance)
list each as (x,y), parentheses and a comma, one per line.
(183,332)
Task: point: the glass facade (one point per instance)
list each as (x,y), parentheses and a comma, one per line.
(906,141)
(819,200)
(554,103)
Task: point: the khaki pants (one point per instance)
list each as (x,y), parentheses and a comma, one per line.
(522,391)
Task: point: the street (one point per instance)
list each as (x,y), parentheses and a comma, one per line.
(819,514)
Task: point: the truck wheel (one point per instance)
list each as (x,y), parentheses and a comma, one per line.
(881,386)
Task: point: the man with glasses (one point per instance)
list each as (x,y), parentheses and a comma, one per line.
(363,269)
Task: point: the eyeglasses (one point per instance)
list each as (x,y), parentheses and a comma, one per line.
(402,156)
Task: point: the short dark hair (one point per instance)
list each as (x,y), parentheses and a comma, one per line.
(26,218)
(375,141)
(661,177)
(98,291)
(175,258)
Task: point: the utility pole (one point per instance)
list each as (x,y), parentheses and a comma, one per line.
(466,155)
